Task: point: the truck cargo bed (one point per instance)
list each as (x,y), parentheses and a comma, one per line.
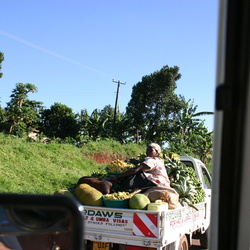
(147,228)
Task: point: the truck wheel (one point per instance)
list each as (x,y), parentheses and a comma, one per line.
(204,240)
(183,243)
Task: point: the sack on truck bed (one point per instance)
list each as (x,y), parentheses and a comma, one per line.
(166,194)
(102,186)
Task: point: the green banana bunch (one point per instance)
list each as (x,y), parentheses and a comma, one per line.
(184,180)
(185,188)
(171,156)
(200,194)
(186,191)
(175,170)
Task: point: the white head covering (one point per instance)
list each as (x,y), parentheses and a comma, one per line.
(156,147)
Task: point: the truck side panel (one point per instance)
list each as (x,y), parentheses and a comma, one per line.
(148,228)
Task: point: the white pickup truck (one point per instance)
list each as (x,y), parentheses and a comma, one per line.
(130,229)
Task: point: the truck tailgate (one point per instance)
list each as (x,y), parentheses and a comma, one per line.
(140,227)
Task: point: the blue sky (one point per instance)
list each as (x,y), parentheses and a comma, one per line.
(71,50)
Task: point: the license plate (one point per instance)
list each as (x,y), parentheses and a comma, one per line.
(101,245)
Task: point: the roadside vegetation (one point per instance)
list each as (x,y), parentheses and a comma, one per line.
(45,149)
(39,168)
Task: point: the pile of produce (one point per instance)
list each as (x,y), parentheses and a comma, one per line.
(88,195)
(139,201)
(184,180)
(134,200)
(92,190)
(119,166)
(119,196)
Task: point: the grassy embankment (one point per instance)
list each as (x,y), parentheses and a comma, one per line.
(37,168)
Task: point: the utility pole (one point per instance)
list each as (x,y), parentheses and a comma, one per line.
(116,100)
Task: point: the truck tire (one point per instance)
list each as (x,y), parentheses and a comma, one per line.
(183,245)
(204,240)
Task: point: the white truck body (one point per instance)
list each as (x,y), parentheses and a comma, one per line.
(148,228)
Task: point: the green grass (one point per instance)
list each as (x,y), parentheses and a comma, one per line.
(37,168)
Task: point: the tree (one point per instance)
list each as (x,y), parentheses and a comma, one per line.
(153,104)
(100,124)
(82,119)
(189,135)
(203,144)
(92,125)
(1,60)
(59,122)
(121,128)
(117,130)
(3,125)
(21,112)
(107,115)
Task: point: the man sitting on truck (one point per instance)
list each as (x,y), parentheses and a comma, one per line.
(150,173)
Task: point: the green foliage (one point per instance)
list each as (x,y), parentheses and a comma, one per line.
(4,125)
(189,135)
(121,128)
(1,60)
(100,124)
(19,129)
(40,168)
(93,125)
(59,121)
(107,115)
(154,113)
(152,105)
(111,146)
(21,112)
